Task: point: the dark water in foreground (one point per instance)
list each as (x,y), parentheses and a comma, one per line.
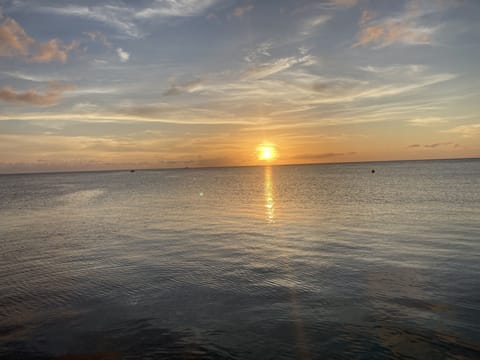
(326,261)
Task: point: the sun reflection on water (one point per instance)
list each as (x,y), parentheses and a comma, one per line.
(269,201)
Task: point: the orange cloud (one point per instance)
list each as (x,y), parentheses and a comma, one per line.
(54,50)
(391,32)
(370,34)
(14,41)
(51,96)
(407,28)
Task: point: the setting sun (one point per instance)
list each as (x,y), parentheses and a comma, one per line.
(266,152)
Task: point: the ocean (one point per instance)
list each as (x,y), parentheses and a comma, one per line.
(275,262)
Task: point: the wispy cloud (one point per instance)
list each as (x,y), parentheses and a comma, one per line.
(391,32)
(335,4)
(311,24)
(408,28)
(262,50)
(52,95)
(434,145)
(29,76)
(322,156)
(396,70)
(120,18)
(349,90)
(163,113)
(128,19)
(426,121)
(98,36)
(270,68)
(469,130)
(86,107)
(188,87)
(288,87)
(175,8)
(390,90)
(266,69)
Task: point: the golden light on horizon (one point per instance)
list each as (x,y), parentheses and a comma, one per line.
(266,152)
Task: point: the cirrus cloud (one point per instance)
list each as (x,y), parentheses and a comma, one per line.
(188,87)
(469,130)
(408,28)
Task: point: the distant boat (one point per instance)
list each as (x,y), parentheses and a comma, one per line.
(132,171)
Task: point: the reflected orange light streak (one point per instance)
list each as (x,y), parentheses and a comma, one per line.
(269,200)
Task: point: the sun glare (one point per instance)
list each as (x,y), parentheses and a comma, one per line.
(266,152)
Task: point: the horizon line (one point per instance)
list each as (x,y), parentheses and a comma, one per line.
(232,166)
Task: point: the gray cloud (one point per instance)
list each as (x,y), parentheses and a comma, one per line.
(51,96)
(435,145)
(188,87)
(242,10)
(322,155)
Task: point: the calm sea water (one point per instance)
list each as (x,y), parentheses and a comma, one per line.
(325,261)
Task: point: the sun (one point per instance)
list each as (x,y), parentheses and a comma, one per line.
(266,152)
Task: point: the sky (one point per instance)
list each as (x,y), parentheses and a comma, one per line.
(105,84)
